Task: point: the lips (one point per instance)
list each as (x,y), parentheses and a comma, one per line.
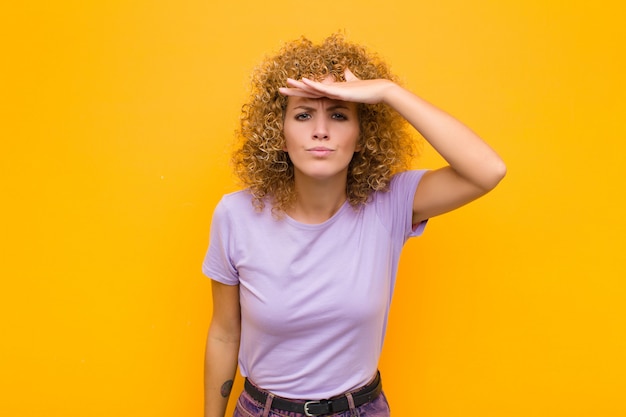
(320,151)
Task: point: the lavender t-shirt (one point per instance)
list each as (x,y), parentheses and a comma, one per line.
(314,298)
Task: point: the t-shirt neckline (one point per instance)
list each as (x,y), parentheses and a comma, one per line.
(345,206)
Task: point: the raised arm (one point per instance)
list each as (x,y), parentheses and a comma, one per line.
(474,168)
(222,348)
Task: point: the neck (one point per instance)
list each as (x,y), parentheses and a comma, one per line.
(317,201)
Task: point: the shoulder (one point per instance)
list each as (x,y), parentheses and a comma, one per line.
(406,179)
(235,204)
(403,183)
(400,192)
(236,198)
(399,196)
(238,201)
(394,207)
(239,211)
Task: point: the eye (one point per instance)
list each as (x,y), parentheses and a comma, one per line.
(339,116)
(303,116)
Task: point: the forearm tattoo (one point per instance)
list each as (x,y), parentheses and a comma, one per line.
(226,387)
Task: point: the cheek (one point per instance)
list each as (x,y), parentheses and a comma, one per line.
(286,140)
(287,135)
(293,134)
(357,140)
(355,133)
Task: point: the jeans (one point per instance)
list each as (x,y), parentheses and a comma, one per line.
(248,407)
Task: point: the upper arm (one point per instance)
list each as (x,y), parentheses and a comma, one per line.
(226,320)
(443,190)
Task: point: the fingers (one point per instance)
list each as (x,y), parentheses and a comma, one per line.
(308,88)
(296,92)
(303,88)
(315,86)
(354,89)
(295,83)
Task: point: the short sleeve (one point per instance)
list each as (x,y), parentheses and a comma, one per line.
(218,263)
(396,206)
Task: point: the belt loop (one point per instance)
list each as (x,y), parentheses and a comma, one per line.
(268,404)
(353,410)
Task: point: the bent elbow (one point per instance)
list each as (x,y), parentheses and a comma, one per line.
(497,172)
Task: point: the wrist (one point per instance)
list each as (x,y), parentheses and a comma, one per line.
(391,92)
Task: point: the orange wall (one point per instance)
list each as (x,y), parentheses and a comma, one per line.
(117,122)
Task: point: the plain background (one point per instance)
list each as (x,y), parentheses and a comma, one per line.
(116,128)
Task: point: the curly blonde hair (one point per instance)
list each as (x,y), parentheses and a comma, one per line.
(386,146)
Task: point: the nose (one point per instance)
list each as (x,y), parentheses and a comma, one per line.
(320,131)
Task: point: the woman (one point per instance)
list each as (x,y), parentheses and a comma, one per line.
(303,260)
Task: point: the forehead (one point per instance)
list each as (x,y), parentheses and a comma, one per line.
(323,102)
